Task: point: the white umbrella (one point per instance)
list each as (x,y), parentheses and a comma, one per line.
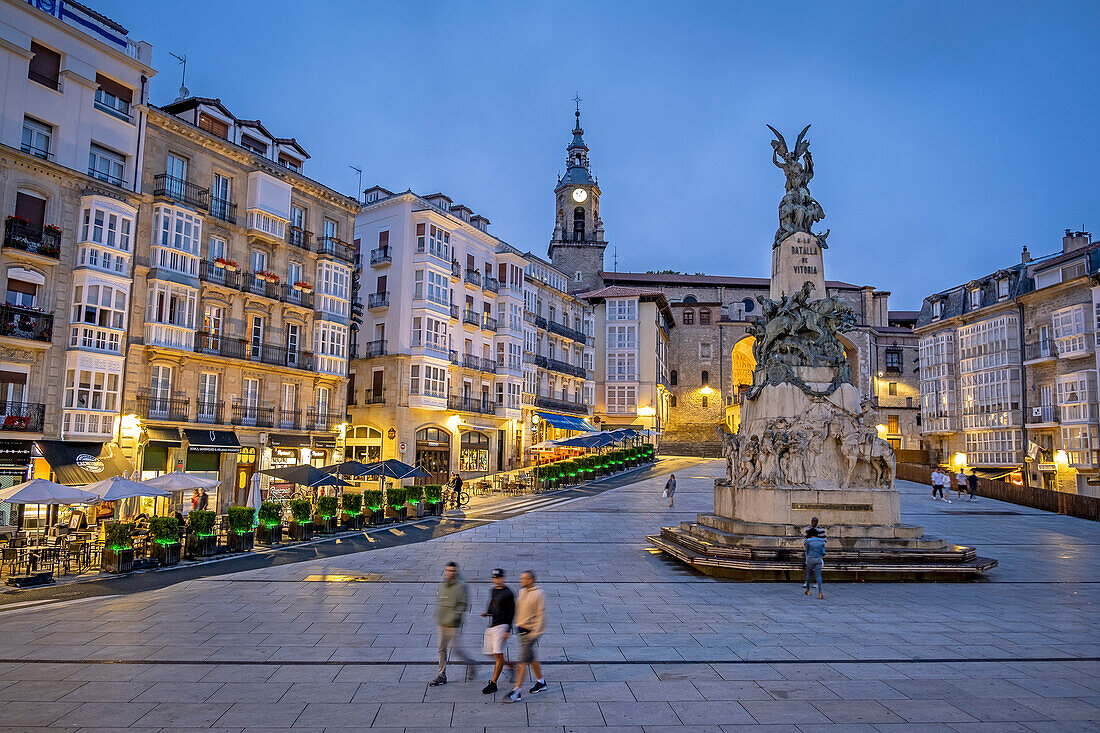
(40,491)
(254,498)
(180,481)
(120,487)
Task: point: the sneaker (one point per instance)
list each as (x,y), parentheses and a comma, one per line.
(537,687)
(514,696)
(489,689)
(440,680)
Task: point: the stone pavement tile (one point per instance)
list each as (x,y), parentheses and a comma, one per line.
(108,691)
(238,673)
(691,672)
(638,713)
(473,714)
(810,671)
(758,728)
(108,672)
(320,692)
(915,728)
(998,727)
(390,692)
(849,712)
(395,713)
(262,714)
(1063,708)
(233,692)
(830,728)
(693,713)
(928,711)
(994,709)
(21,672)
(470,691)
(915,670)
(723,690)
(573,672)
(863,689)
(169,672)
(302,653)
(305,673)
(1063,726)
(681,729)
(798,690)
(178,692)
(596,691)
(127,729)
(494,729)
(173,715)
(929,689)
(370,673)
(622,672)
(105,714)
(37,691)
(563,713)
(735,672)
(786,711)
(602,729)
(657,691)
(1051,687)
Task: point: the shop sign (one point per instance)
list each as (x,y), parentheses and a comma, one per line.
(89,463)
(1048,467)
(285,453)
(315,453)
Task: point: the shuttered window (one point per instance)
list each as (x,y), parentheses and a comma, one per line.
(45,66)
(31,208)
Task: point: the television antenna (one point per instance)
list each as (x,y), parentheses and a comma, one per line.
(181,59)
(359,186)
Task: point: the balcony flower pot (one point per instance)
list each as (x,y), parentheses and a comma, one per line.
(219,264)
(231,267)
(269,534)
(301,531)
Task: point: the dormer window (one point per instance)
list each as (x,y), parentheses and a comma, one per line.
(250,143)
(290,163)
(937,309)
(1002,288)
(976,298)
(213,126)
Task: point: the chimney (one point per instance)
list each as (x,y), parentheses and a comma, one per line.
(1025,256)
(1073,241)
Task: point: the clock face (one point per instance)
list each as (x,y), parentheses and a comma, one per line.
(580,195)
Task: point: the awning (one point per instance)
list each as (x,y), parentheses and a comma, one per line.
(566,422)
(212,441)
(163,435)
(324,442)
(77,464)
(281,440)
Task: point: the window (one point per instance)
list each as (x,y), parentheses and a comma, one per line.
(622,310)
(704,316)
(688,317)
(578,277)
(30,207)
(704,379)
(220,205)
(212,325)
(893,361)
(172,305)
(330,228)
(622,337)
(112,97)
(91,390)
(1002,288)
(705,401)
(578,224)
(36,138)
(892,424)
(257,336)
(331,348)
(704,351)
(892,388)
(622,366)
(621,400)
(1070,330)
(176,240)
(98,317)
(673,378)
(21,293)
(216,249)
(45,66)
(937,308)
(106,165)
(160,385)
(250,143)
(290,163)
(976,298)
(251,395)
(213,125)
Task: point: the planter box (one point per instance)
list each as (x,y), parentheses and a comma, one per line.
(166,554)
(269,535)
(301,531)
(117,561)
(398,514)
(203,546)
(240,542)
(351,521)
(414,511)
(375,516)
(324,525)
(433,509)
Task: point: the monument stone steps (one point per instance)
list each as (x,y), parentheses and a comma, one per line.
(838,533)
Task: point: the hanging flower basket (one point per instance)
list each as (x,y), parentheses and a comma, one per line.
(303,286)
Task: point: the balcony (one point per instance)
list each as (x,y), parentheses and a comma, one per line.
(298,237)
(247,282)
(336,248)
(940,425)
(255,286)
(491,284)
(471,317)
(541,322)
(224,210)
(42,241)
(237,348)
(456,271)
(1043,414)
(323,419)
(378,300)
(570,333)
(289,419)
(478,405)
(488,323)
(550,403)
(373,349)
(26,324)
(181,191)
(169,336)
(1039,351)
(559,366)
(454,312)
(381,256)
(375,397)
(168,409)
(473,277)
(253,415)
(22,417)
(209,413)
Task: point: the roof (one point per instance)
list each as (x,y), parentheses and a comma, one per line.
(621,291)
(258,125)
(292,142)
(903,315)
(726,280)
(181,105)
(100,17)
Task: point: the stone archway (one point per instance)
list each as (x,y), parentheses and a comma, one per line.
(742,366)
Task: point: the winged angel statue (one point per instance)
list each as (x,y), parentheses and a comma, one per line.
(798,211)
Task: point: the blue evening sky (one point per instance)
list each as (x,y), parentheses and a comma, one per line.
(945,135)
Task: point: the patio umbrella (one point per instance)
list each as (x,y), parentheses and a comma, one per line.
(347,468)
(180,481)
(254,498)
(391,468)
(305,475)
(119,487)
(40,491)
(417,472)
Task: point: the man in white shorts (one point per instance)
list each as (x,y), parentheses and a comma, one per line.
(501,611)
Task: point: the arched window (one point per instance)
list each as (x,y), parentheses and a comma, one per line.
(705,402)
(706,378)
(750,305)
(704,316)
(673,377)
(672,401)
(690,299)
(578,224)
(689,316)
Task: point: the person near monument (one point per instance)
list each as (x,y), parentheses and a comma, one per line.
(971,485)
(501,611)
(960,484)
(670,488)
(814,530)
(937,483)
(451,603)
(815,557)
(529,623)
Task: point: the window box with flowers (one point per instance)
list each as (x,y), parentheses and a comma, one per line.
(302,286)
(266,276)
(223,264)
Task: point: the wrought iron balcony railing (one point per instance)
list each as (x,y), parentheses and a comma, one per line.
(224,210)
(380,256)
(378,300)
(39,240)
(181,191)
(169,409)
(299,237)
(334,247)
(481,406)
(375,397)
(552,403)
(209,412)
(253,415)
(25,323)
(372,349)
(22,417)
(473,277)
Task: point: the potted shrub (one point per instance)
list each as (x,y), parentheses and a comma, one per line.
(433,498)
(165,535)
(201,540)
(300,527)
(395,503)
(372,500)
(240,537)
(325,518)
(118,548)
(270,529)
(414,496)
(352,518)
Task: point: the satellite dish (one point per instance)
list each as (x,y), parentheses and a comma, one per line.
(184,93)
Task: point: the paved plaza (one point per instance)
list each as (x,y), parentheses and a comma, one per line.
(635,642)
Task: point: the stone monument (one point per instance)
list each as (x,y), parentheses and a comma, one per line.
(807,446)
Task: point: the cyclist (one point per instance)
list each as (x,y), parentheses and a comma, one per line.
(455,486)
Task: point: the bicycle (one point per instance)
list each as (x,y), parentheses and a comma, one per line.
(459,501)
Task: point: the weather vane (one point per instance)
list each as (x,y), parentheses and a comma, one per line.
(578,100)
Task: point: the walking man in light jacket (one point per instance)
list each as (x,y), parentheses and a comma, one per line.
(529,624)
(451,603)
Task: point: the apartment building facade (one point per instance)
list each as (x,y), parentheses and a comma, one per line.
(439,369)
(1008,370)
(239,355)
(74,90)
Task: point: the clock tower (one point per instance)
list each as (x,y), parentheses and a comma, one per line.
(578,244)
